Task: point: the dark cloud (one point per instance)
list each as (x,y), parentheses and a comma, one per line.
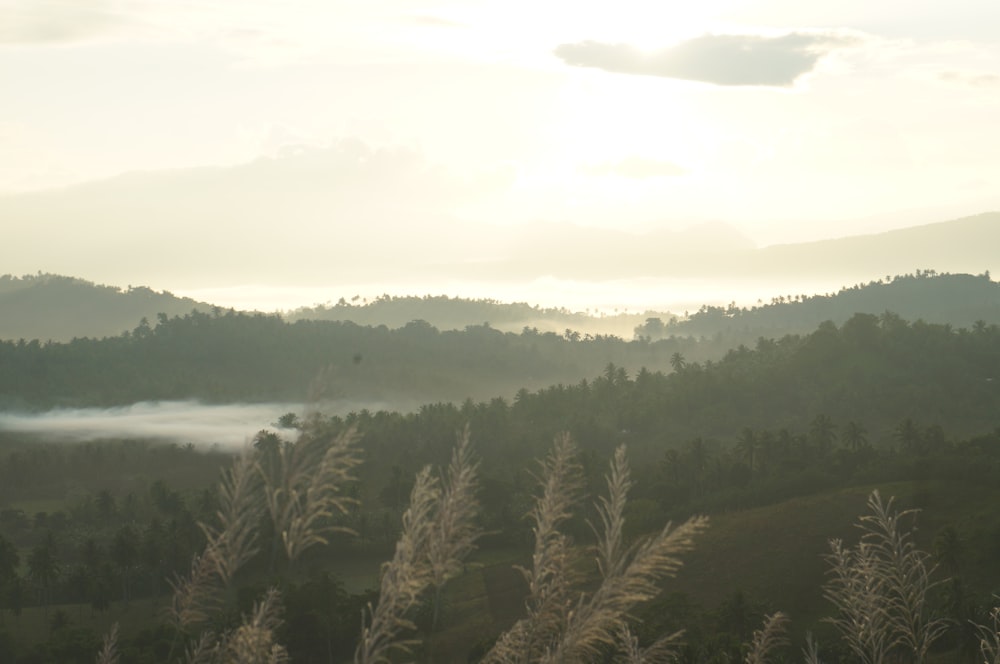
(636,167)
(718,59)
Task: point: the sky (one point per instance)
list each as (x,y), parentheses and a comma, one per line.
(786,120)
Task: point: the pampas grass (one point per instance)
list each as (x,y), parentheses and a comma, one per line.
(880,586)
(810,654)
(109,649)
(230,543)
(438,532)
(303,488)
(564,624)
(551,577)
(253,641)
(301,492)
(768,638)
(663,650)
(989,638)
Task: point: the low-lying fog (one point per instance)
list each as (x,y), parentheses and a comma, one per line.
(229,425)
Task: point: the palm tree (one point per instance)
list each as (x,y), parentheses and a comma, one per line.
(677,362)
(43,568)
(9,561)
(125,554)
(823,431)
(907,434)
(747,446)
(855,436)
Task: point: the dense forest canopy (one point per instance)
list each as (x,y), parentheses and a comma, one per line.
(955,299)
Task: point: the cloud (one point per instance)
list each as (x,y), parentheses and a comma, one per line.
(319,214)
(975,79)
(57,21)
(717,59)
(430,21)
(635,166)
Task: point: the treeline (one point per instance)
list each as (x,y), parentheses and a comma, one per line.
(875,371)
(455,313)
(956,299)
(50,306)
(229,356)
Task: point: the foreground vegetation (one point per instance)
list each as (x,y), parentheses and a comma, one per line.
(751,563)
(780,444)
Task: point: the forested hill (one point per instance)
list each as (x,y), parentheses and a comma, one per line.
(881,381)
(875,370)
(231,356)
(49,306)
(60,308)
(954,299)
(448,313)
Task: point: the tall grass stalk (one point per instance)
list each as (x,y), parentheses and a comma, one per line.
(109,649)
(989,638)
(880,588)
(300,499)
(438,532)
(303,488)
(767,639)
(664,649)
(563,623)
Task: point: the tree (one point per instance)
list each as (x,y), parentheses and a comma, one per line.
(824,433)
(125,554)
(908,435)
(43,569)
(747,446)
(855,436)
(9,561)
(677,362)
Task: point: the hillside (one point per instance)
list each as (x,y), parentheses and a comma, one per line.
(58,308)
(448,313)
(959,300)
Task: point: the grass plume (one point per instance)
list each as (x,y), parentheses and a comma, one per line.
(438,531)
(230,543)
(989,638)
(664,649)
(880,586)
(109,648)
(559,628)
(768,638)
(303,487)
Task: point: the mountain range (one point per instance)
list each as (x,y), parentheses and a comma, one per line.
(318,217)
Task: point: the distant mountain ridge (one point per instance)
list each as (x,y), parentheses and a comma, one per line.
(959,300)
(58,308)
(321,216)
(968,244)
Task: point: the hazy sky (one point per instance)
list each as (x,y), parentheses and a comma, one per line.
(790,120)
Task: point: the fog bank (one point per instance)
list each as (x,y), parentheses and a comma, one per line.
(228,425)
